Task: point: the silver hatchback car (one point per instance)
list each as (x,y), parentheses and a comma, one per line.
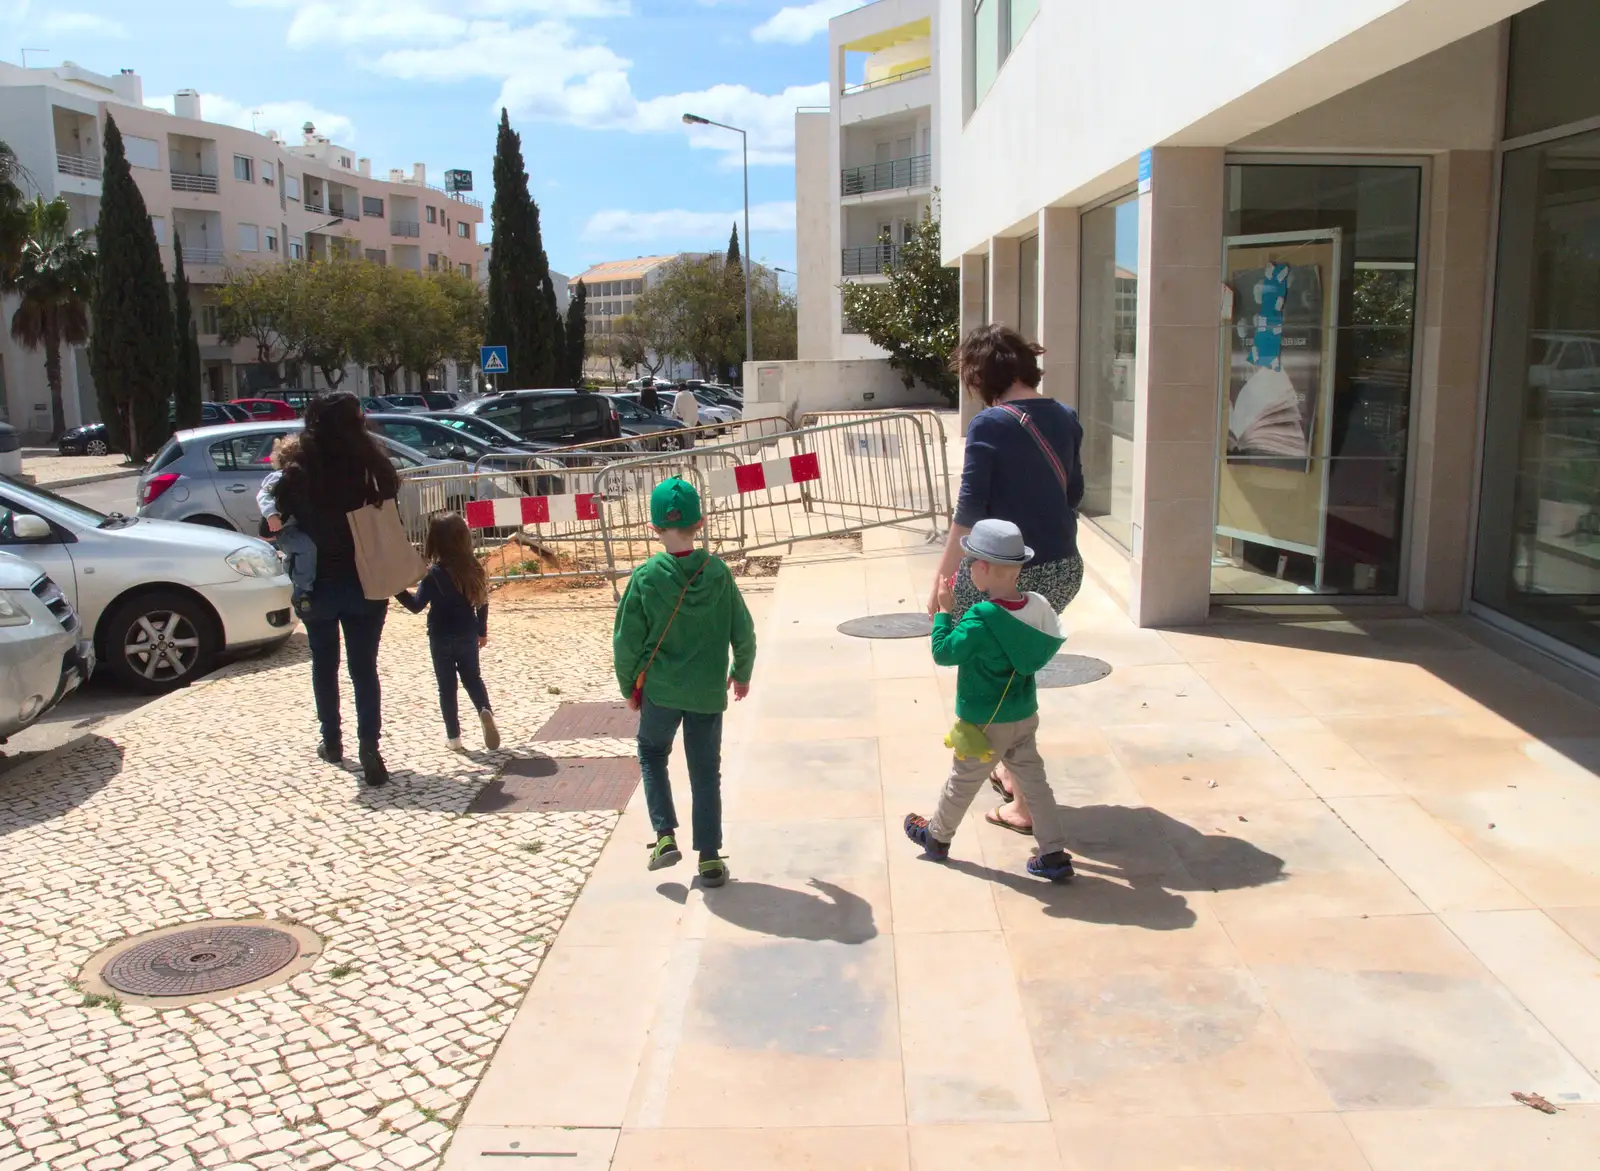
(211,475)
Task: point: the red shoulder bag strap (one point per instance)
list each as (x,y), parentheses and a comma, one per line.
(1049,453)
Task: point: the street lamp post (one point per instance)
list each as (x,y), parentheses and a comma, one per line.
(744,147)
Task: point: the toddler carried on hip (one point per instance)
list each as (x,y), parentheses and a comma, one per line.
(996,648)
(681,613)
(456,595)
(298,549)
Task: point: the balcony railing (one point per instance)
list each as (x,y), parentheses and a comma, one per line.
(461,197)
(916,171)
(345,213)
(191,181)
(404,228)
(869,261)
(83,166)
(907,75)
(202,256)
(314,207)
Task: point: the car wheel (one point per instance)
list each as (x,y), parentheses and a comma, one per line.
(210,522)
(97,447)
(159,641)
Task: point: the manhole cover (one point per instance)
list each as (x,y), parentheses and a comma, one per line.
(888,626)
(545,784)
(584,721)
(205,960)
(1071,670)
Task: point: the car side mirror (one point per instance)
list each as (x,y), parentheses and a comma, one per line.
(457,452)
(30,528)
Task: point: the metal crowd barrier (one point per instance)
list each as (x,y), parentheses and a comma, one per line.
(585,511)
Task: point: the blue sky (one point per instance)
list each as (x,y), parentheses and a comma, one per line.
(596,88)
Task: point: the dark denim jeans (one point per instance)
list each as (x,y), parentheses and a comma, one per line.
(455,655)
(335,604)
(702,744)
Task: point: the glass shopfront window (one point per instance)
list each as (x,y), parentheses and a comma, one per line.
(1320,266)
(1107,345)
(1538,557)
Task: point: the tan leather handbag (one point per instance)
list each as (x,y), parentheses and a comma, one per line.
(385,560)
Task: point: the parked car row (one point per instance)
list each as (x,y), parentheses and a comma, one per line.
(155,603)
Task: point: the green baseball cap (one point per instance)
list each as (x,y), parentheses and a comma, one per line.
(674,504)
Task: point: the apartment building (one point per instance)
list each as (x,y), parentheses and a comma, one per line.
(613,285)
(232,197)
(1365,237)
(866,167)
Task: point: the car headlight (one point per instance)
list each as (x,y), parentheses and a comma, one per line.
(12,614)
(253,562)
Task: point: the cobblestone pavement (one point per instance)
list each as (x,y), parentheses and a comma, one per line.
(211,804)
(49,468)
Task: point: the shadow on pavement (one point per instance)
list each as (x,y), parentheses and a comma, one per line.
(835,914)
(47,793)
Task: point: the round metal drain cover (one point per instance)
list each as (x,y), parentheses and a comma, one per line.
(1071,670)
(205,960)
(888,626)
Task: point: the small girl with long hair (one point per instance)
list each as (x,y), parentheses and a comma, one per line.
(456,595)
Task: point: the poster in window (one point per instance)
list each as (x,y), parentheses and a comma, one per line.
(1277,352)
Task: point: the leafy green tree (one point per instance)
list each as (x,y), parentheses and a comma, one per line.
(253,306)
(518,317)
(321,310)
(694,312)
(133,346)
(777,321)
(577,334)
(186,363)
(916,317)
(627,346)
(13,213)
(54,281)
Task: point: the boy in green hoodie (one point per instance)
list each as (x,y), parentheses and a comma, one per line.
(997,647)
(669,645)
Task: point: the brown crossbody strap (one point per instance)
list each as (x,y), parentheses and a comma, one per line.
(1049,453)
(639,682)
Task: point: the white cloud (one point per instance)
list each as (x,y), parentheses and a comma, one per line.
(284,117)
(82,24)
(678,224)
(546,67)
(797,24)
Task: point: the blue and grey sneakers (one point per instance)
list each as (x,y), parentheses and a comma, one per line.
(917,830)
(1055,866)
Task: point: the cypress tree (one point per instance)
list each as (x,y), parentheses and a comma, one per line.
(577,333)
(519,317)
(186,362)
(733,248)
(558,341)
(134,344)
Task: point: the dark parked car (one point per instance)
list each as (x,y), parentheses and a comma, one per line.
(213,414)
(442,400)
(493,434)
(90,439)
(636,420)
(393,402)
(437,438)
(551,416)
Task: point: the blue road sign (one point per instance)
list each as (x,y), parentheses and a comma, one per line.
(492,359)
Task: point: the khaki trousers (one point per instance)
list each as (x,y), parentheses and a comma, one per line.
(1015,744)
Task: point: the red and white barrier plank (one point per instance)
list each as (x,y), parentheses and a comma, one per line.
(516,511)
(772,473)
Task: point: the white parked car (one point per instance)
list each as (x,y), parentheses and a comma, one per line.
(43,654)
(162,602)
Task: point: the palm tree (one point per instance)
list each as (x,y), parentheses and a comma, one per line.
(54,278)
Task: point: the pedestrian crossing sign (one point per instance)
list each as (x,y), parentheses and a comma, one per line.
(492,359)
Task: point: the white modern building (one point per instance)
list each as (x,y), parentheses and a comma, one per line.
(232,197)
(867,166)
(1365,240)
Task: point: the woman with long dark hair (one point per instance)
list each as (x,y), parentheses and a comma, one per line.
(1021,465)
(338,469)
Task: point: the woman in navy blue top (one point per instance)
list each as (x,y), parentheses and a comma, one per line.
(1022,465)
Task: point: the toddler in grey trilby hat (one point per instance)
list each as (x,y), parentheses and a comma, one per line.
(996,648)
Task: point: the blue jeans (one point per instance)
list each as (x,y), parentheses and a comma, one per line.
(455,655)
(702,744)
(300,553)
(339,603)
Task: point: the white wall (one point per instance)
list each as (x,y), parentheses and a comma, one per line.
(1089,86)
(794,388)
(816,203)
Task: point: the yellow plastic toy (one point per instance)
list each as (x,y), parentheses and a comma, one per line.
(968,742)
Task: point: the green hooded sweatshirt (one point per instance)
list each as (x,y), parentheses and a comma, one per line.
(997,651)
(690,672)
